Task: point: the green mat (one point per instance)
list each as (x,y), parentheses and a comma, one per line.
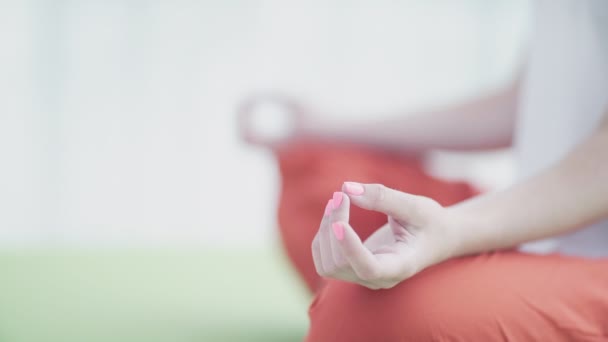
(149,295)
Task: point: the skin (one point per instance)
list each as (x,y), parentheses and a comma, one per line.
(421,233)
(485,122)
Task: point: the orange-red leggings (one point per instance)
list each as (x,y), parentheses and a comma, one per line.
(505,296)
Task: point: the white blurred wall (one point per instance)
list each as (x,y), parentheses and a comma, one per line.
(117,117)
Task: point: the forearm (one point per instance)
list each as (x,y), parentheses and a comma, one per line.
(569,195)
(484,123)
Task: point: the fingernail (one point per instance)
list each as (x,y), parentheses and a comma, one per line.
(328,208)
(337,199)
(353,188)
(338,229)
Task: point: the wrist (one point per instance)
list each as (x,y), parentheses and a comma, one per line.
(461,225)
(445,239)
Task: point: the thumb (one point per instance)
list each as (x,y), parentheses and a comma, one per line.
(400,205)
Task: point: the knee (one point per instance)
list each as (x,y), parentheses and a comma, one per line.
(349,312)
(491,297)
(430,306)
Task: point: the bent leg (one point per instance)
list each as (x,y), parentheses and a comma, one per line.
(506,296)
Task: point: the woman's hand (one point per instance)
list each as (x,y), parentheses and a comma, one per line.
(296,116)
(416,236)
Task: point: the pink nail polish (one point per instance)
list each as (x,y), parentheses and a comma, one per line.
(353,188)
(337,199)
(328,207)
(338,229)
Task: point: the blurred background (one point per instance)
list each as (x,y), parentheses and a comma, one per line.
(130,209)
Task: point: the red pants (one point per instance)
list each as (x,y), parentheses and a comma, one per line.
(497,296)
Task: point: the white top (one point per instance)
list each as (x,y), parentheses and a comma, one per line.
(564,96)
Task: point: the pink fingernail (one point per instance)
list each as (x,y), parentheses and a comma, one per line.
(353,188)
(337,199)
(328,208)
(338,229)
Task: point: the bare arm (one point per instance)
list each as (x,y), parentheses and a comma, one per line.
(483,123)
(421,233)
(571,194)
